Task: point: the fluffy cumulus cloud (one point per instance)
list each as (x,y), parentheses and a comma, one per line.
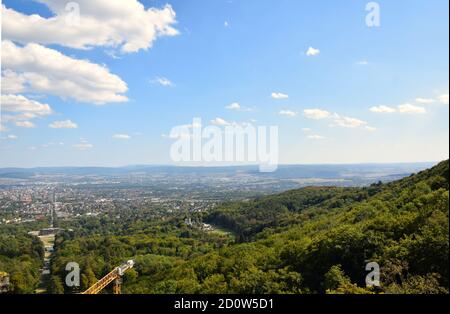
(29,66)
(411,109)
(20,109)
(12,82)
(311,52)
(383,109)
(65,124)
(441,99)
(125,24)
(424,101)
(237,107)
(337,120)
(234,106)
(316,114)
(405,108)
(276,95)
(347,122)
(417,107)
(35,68)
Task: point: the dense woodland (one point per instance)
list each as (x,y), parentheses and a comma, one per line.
(21,256)
(311,240)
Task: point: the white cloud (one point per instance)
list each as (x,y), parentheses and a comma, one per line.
(287,113)
(316,114)
(411,109)
(12,82)
(383,109)
(162,81)
(316,137)
(405,108)
(22,109)
(237,107)
(121,136)
(370,128)
(347,122)
(66,124)
(226,24)
(306,130)
(338,120)
(112,23)
(275,95)
(220,122)
(21,104)
(424,101)
(234,106)
(44,70)
(311,52)
(443,99)
(25,124)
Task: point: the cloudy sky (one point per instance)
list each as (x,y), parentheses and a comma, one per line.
(106,88)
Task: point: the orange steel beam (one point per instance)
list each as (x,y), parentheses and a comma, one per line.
(115,275)
(102,283)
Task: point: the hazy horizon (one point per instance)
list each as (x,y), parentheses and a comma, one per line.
(230,165)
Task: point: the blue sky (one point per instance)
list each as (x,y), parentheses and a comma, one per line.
(242,51)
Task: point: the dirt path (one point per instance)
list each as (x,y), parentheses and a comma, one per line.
(48,241)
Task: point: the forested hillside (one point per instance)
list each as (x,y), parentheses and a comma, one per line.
(402,225)
(312,240)
(21,256)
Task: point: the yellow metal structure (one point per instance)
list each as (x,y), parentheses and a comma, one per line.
(114,276)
